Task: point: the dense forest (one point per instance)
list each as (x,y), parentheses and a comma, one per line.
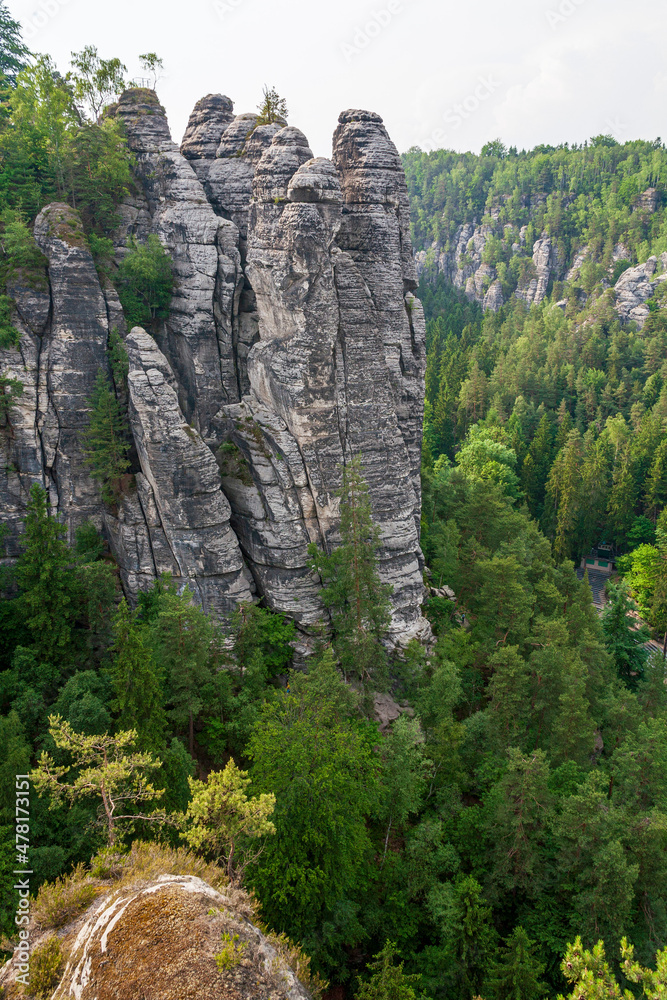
(515,814)
(579,195)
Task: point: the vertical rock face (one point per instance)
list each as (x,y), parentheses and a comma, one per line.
(185,511)
(209,119)
(64,327)
(198,336)
(294,343)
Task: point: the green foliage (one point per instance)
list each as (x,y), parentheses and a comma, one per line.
(105,768)
(388,981)
(96,82)
(516,976)
(624,636)
(591,977)
(11,389)
(137,682)
(107,439)
(231,953)
(9,335)
(47,581)
(98,176)
(151,63)
(145,283)
(46,966)
(273,107)
(21,255)
(13,51)
(223,821)
(183,641)
(49,152)
(352,591)
(310,751)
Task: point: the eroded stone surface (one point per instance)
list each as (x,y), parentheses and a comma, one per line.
(157,939)
(294,343)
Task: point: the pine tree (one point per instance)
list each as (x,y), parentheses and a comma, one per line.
(47,581)
(536,465)
(563,504)
(273,108)
(136,682)
(516,975)
(183,640)
(13,51)
(388,981)
(352,591)
(623,497)
(655,493)
(107,439)
(624,638)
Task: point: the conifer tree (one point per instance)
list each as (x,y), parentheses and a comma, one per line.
(625,639)
(563,495)
(47,580)
(106,438)
(388,981)
(13,51)
(655,493)
(183,640)
(536,465)
(273,107)
(516,975)
(136,682)
(353,592)
(623,497)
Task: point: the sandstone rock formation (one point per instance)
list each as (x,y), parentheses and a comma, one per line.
(294,343)
(157,938)
(63,326)
(463,265)
(636,286)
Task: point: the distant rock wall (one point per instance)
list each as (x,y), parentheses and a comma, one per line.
(463,265)
(294,343)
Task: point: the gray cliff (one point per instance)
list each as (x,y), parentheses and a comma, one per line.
(294,343)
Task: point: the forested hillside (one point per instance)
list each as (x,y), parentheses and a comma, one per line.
(464,817)
(588,195)
(570,384)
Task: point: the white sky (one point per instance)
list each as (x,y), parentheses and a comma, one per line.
(440,73)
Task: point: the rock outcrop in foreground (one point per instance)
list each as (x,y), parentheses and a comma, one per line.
(294,343)
(157,940)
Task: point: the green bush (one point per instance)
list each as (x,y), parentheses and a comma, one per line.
(61,901)
(9,335)
(19,250)
(231,952)
(145,283)
(46,963)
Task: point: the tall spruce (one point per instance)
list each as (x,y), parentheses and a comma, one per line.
(353,592)
(107,439)
(136,682)
(47,580)
(14,52)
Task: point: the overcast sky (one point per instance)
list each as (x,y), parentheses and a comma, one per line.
(440,73)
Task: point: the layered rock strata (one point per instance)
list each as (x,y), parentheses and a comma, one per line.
(294,343)
(63,328)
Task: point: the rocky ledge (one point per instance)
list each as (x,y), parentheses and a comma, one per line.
(158,939)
